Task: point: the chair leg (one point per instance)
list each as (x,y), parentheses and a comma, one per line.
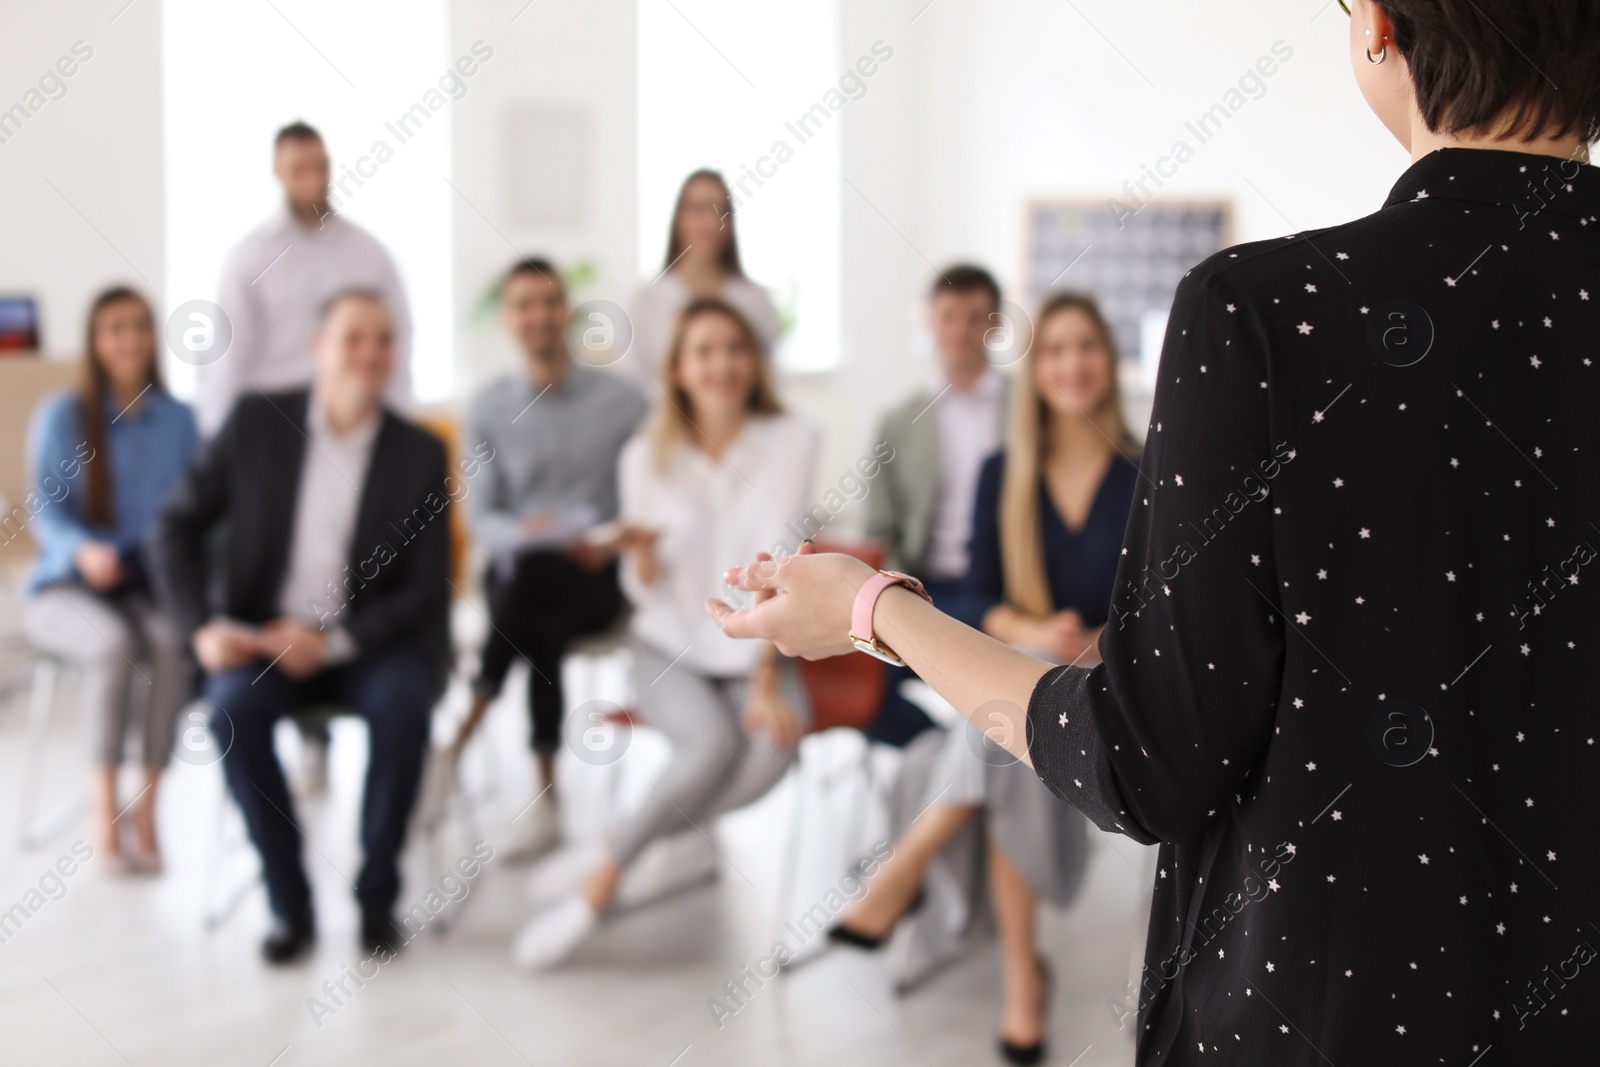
(41,702)
(225,845)
(613,774)
(869,791)
(791,851)
(34,829)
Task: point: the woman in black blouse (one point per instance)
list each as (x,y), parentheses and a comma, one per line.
(1346,678)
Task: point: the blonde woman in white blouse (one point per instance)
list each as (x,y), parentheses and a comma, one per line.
(713,479)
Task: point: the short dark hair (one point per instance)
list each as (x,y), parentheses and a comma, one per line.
(354,292)
(1472,61)
(536,265)
(966,278)
(296,131)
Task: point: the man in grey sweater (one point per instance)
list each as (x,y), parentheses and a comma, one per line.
(556,427)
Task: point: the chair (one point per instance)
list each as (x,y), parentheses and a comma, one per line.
(34,829)
(588,656)
(220,898)
(447,428)
(231,840)
(845,693)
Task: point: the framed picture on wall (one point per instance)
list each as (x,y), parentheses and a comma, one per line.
(1130,260)
(19,325)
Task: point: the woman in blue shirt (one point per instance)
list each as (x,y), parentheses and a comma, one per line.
(101,459)
(1047,533)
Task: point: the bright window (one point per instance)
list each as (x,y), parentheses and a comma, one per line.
(722,83)
(234,73)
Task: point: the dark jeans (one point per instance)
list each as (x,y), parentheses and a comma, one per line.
(899,720)
(393,690)
(535,612)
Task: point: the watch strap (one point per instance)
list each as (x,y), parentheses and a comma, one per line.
(867,600)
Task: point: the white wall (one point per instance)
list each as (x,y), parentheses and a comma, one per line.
(983,106)
(987,105)
(351,70)
(699,109)
(1030,100)
(99,145)
(563,53)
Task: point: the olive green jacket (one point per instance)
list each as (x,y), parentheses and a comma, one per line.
(903,501)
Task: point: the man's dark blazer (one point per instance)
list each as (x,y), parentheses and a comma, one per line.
(246,481)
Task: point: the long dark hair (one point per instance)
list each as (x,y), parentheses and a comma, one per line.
(729,260)
(92,393)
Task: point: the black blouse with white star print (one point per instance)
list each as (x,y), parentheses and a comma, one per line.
(1349,677)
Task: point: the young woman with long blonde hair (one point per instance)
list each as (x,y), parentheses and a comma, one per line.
(1047,528)
(720,472)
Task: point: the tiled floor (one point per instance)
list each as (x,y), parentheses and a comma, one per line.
(125,972)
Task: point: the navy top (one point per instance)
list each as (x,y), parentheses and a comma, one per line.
(148,447)
(1081,565)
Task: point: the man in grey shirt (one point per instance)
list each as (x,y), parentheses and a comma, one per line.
(557,428)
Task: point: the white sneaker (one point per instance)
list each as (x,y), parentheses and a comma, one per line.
(563,872)
(669,865)
(554,934)
(534,832)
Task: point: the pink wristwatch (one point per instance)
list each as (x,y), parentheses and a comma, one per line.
(861,614)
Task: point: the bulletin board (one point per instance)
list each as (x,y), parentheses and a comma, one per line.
(1130,269)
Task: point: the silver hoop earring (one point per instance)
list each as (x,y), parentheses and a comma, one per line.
(1383,54)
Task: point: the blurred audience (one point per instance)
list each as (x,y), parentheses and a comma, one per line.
(273,287)
(702,261)
(921,509)
(103,457)
(1047,534)
(334,592)
(303,555)
(717,475)
(556,427)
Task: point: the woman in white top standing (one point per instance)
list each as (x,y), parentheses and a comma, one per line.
(715,477)
(702,261)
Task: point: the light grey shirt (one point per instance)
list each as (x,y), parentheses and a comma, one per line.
(969,432)
(555,449)
(332,472)
(272,288)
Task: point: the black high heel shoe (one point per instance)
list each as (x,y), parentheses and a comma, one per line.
(1034,1053)
(840,934)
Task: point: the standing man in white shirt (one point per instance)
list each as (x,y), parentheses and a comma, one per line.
(277,279)
(920,509)
(273,288)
